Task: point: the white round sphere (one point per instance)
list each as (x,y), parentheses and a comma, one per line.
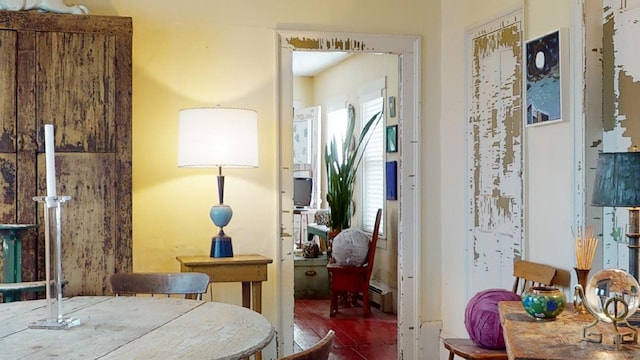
(350,247)
(612,293)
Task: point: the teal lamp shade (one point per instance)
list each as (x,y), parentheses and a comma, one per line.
(215,137)
(617,184)
(617,180)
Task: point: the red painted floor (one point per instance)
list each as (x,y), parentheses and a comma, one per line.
(357,338)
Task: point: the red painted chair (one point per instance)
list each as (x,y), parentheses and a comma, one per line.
(354,279)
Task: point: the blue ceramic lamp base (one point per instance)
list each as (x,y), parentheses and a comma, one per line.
(221,244)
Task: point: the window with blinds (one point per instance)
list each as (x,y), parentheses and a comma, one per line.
(337,120)
(372,166)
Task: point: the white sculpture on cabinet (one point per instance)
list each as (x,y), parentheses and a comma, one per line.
(57,6)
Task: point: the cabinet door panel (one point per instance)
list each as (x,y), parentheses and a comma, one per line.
(88,221)
(8,186)
(76,89)
(8,91)
(75,73)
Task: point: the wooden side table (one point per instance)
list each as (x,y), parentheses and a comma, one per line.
(250,270)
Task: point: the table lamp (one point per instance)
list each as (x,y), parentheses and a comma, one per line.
(617,184)
(216,137)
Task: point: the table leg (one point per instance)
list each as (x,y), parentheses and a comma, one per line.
(256,289)
(257,296)
(246,294)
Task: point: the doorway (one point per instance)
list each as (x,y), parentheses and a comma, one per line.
(408,111)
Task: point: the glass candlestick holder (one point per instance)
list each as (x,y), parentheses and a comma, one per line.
(53,265)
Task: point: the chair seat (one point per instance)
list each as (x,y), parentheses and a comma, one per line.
(467,349)
(348,278)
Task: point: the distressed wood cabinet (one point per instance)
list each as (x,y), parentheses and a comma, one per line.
(74,72)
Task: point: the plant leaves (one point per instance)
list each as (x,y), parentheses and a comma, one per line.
(341,172)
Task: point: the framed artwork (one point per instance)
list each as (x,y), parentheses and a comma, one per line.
(392,138)
(544,77)
(392,180)
(392,106)
(302,141)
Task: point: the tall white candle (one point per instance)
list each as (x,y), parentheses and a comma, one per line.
(49,152)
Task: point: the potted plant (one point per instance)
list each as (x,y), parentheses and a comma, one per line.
(342,168)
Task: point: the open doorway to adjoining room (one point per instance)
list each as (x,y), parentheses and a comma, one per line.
(407,51)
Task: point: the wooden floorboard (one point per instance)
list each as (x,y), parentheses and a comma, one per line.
(357,338)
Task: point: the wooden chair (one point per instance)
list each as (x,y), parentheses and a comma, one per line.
(526,274)
(319,351)
(189,283)
(354,279)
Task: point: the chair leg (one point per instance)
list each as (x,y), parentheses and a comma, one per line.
(333,307)
(366,306)
(450,355)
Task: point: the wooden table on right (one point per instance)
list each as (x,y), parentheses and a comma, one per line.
(527,338)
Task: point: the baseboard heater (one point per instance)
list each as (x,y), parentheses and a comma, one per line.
(383,298)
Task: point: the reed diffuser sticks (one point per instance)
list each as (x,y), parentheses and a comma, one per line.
(585,248)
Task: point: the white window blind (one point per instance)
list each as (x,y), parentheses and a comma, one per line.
(372,166)
(337,120)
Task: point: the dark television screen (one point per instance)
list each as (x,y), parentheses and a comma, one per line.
(302,188)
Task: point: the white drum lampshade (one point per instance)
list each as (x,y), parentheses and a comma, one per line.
(216,137)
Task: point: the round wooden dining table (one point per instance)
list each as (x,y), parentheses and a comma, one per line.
(126,327)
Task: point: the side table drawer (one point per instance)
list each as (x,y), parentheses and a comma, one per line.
(311,278)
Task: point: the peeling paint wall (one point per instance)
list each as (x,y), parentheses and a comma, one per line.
(494,151)
(621,109)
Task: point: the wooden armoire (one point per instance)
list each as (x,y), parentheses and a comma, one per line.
(72,71)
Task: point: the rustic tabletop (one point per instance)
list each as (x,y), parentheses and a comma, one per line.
(134,328)
(528,338)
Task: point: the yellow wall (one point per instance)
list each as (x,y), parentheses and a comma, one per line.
(206,52)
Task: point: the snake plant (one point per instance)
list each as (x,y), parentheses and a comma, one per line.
(342,170)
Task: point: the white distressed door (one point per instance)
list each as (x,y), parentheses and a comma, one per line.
(495,193)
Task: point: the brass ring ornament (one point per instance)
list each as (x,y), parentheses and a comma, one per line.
(615,302)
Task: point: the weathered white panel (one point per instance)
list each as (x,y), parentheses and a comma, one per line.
(621,89)
(494,152)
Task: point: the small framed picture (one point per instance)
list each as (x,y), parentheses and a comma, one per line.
(392,138)
(392,106)
(546,78)
(392,180)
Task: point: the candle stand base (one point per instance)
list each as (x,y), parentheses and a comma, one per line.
(55,324)
(53,265)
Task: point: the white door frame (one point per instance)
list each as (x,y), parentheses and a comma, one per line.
(409,109)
